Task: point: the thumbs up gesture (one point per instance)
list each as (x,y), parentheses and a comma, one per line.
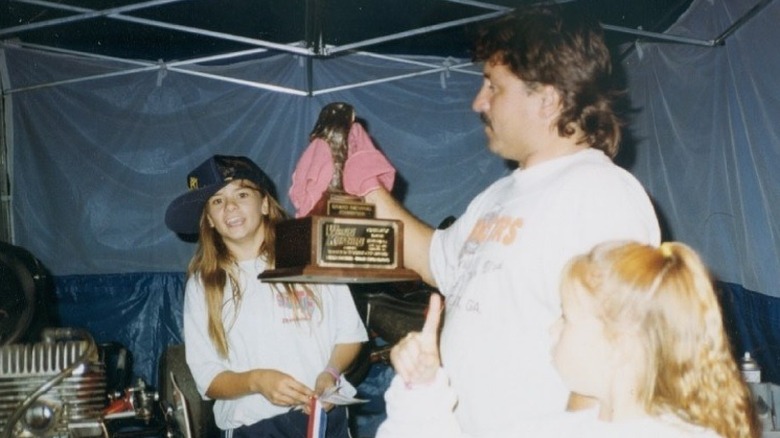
(416,357)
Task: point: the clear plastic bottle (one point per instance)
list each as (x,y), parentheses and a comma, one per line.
(750,369)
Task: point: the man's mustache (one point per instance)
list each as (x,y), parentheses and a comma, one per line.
(485,119)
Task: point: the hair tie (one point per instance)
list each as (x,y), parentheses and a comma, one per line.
(666,252)
(666,249)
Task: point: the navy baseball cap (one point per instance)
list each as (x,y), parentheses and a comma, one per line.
(183,214)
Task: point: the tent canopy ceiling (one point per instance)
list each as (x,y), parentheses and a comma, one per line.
(171,30)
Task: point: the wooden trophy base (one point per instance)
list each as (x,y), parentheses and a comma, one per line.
(331,249)
(317,274)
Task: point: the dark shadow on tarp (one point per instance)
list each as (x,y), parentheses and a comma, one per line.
(752,320)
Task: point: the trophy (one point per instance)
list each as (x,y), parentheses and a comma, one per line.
(335,237)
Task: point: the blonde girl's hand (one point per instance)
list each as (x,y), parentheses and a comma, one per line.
(324,382)
(416,357)
(281,389)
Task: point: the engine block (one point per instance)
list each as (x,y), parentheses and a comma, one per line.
(61,383)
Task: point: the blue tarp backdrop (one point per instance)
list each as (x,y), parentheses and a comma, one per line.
(142,311)
(93,164)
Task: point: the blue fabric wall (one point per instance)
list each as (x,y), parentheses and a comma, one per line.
(143,312)
(753,321)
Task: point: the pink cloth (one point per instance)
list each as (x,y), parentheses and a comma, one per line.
(365,169)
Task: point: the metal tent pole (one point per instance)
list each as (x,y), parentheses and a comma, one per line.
(85,14)
(110,13)
(421,30)
(659,36)
(742,20)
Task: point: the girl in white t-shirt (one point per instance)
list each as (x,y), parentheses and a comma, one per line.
(261,350)
(641,332)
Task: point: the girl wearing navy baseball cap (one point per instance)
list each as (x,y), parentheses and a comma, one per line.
(260,350)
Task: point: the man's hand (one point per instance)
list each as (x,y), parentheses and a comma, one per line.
(416,357)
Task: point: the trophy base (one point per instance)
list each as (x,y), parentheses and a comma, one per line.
(327,249)
(317,274)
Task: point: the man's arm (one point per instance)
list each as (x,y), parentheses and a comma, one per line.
(417,234)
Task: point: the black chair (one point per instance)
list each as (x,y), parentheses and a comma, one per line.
(199,412)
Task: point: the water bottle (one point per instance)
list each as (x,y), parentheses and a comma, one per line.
(751,372)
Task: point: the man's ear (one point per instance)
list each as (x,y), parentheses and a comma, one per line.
(550,101)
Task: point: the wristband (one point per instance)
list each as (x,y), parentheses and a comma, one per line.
(333,372)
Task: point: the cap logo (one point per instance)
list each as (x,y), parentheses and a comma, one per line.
(193,183)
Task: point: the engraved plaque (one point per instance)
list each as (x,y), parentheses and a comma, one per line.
(349,208)
(332,249)
(358,243)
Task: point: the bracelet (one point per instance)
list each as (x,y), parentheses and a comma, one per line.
(333,372)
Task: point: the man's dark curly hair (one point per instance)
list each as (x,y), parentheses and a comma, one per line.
(565,48)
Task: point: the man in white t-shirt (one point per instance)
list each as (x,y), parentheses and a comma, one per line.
(547,103)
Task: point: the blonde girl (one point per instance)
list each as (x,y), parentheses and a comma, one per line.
(666,352)
(641,331)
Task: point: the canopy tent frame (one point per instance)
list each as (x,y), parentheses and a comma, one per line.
(312,49)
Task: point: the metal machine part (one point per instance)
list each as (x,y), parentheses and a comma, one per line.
(55,388)
(25,289)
